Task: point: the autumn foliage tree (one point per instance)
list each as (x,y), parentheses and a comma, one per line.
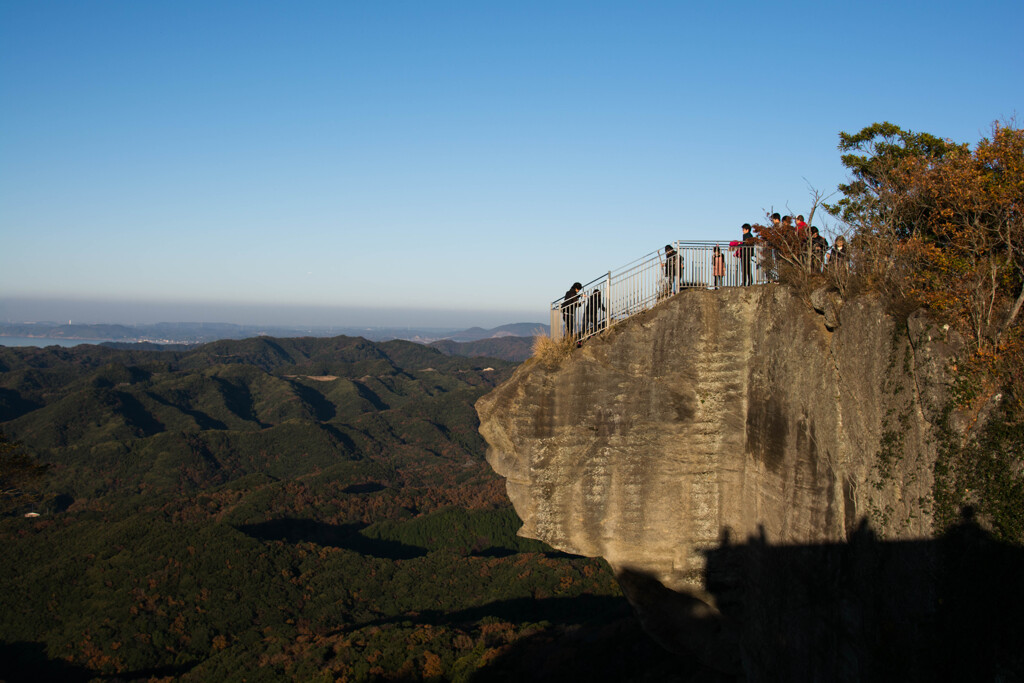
(941,225)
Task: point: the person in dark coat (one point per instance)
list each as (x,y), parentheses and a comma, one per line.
(569,304)
(819,245)
(593,318)
(671,267)
(746,252)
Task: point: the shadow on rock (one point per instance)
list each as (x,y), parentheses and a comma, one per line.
(865,610)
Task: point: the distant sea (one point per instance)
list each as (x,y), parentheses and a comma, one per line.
(44,341)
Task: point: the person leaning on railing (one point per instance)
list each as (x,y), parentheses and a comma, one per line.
(593,321)
(569,305)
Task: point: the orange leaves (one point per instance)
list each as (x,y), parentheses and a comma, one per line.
(432,667)
(960,248)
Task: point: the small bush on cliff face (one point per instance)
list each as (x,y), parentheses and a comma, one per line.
(551,351)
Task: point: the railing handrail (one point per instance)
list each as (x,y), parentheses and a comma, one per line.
(637,286)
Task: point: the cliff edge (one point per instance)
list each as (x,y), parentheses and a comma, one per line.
(720,416)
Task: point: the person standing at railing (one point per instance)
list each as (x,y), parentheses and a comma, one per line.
(593,320)
(717,265)
(671,267)
(746,252)
(569,304)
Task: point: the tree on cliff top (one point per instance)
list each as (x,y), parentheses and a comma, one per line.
(872,155)
(941,224)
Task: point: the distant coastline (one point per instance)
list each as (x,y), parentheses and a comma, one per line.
(43,342)
(182,334)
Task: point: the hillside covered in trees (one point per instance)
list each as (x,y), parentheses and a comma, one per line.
(267,509)
(320,509)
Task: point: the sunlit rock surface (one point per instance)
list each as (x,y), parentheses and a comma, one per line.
(733,414)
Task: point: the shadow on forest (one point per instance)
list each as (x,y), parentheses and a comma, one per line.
(864,610)
(590,641)
(13,406)
(501,551)
(589,637)
(345,536)
(366,487)
(523,610)
(29,663)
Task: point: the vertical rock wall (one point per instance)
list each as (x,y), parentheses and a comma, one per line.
(731,413)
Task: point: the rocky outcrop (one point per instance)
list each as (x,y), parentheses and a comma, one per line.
(734,414)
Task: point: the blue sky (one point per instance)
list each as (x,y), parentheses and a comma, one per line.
(468,160)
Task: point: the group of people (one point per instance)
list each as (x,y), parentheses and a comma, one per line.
(742,250)
(807,241)
(816,246)
(593,310)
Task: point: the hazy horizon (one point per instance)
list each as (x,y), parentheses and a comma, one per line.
(93,312)
(441,163)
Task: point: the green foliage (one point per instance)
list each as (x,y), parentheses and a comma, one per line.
(459,530)
(985,474)
(269,510)
(516,349)
(870,156)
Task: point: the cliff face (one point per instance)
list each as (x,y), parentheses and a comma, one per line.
(722,414)
(759,476)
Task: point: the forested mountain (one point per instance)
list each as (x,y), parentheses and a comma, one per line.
(528,330)
(280,509)
(507,348)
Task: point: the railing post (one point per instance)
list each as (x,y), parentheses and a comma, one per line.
(556,324)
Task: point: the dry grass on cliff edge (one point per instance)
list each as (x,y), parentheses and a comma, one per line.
(550,351)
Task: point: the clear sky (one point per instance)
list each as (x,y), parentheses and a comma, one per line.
(473,157)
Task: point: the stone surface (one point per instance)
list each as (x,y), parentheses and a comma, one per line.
(722,414)
(826,300)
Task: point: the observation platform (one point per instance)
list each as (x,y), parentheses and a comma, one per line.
(637,286)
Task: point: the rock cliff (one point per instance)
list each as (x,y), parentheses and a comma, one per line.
(733,414)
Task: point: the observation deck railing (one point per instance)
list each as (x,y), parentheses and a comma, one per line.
(615,296)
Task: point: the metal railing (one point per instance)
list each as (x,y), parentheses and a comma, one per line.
(638,286)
